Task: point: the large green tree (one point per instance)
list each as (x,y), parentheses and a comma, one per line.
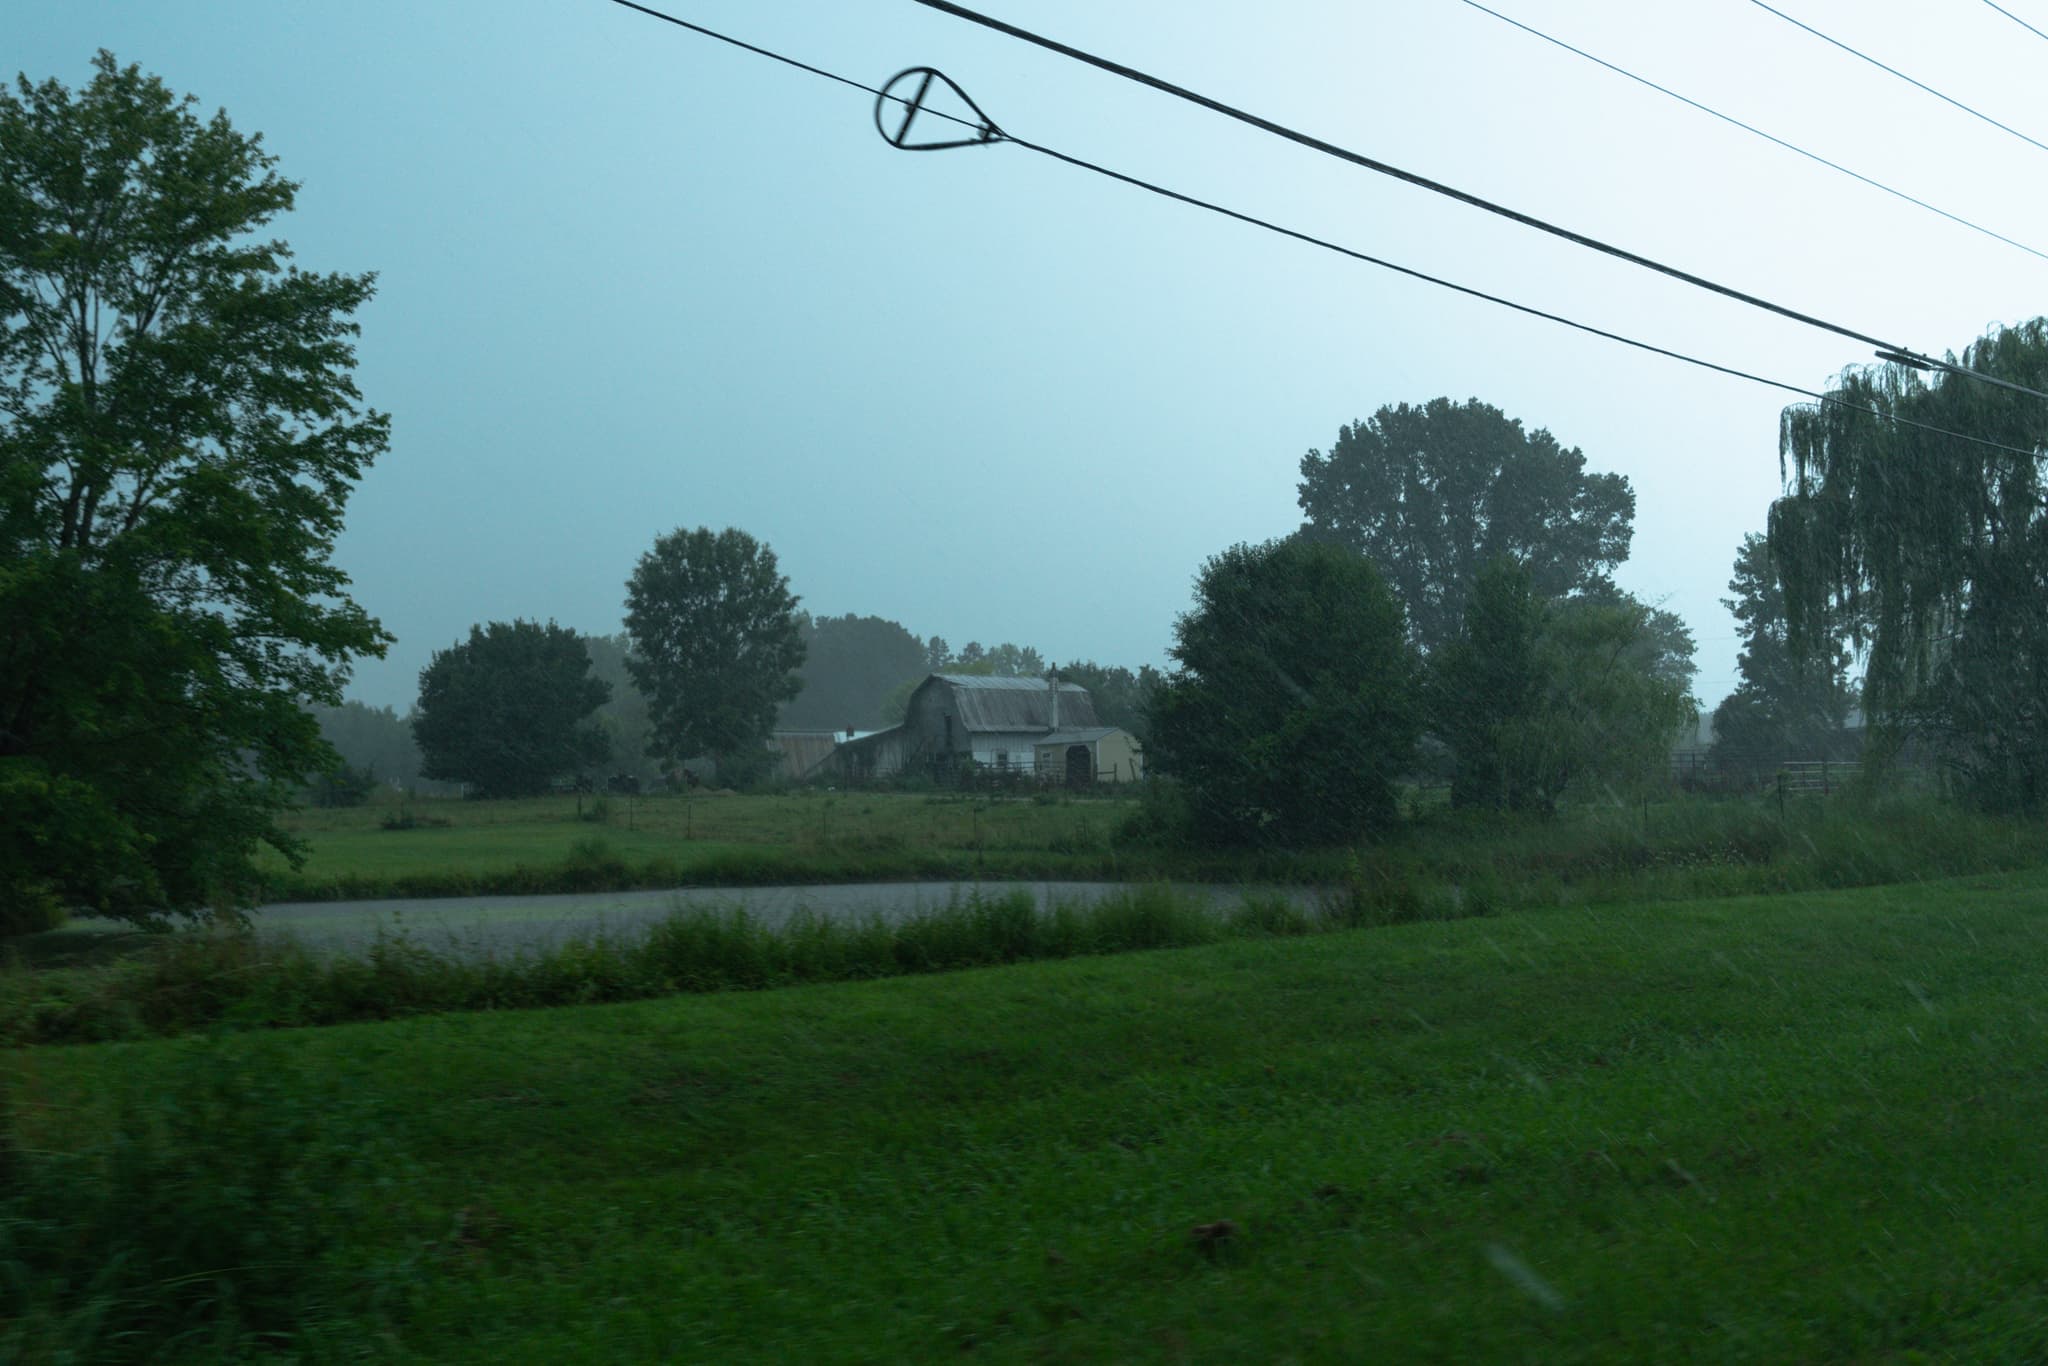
(1121,697)
(851,665)
(1294,705)
(1934,550)
(1538,699)
(1431,494)
(625,717)
(179,434)
(375,740)
(1787,704)
(507,710)
(716,646)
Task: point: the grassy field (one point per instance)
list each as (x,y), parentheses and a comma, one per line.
(570,843)
(1802,1128)
(1671,848)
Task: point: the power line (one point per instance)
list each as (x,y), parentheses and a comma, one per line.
(989,134)
(1885,350)
(1751,128)
(1974,113)
(2016,19)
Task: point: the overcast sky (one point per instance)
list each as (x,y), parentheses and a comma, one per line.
(632,279)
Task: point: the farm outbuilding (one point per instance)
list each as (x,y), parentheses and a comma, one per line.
(958,719)
(1099,754)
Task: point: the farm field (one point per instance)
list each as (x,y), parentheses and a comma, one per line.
(567,843)
(1793,1128)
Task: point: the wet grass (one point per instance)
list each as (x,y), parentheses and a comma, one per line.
(545,844)
(1794,1128)
(1675,848)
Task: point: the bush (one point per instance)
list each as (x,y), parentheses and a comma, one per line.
(1296,703)
(199,1214)
(343,786)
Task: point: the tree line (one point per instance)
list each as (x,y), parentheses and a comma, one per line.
(1447,604)
(180,433)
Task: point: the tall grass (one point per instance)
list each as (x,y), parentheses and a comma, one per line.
(236,979)
(1449,867)
(199,1219)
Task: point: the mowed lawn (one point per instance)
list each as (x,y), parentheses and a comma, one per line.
(485,837)
(1801,1128)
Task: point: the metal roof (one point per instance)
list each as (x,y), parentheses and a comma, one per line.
(981,703)
(1082,737)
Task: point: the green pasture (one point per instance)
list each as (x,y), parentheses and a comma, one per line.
(1673,848)
(730,838)
(1768,1129)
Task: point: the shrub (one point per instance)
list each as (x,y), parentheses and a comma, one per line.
(198,1214)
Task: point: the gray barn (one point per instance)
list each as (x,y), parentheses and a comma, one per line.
(960,718)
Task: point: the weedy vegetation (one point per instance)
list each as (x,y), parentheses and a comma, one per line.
(1799,1127)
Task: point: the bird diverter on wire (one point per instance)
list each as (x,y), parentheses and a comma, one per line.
(985,130)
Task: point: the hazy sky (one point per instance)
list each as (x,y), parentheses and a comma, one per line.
(631,279)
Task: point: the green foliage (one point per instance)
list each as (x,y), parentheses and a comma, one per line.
(1486,690)
(1294,708)
(851,665)
(374,739)
(1536,699)
(1610,717)
(1120,696)
(179,434)
(1790,703)
(1452,865)
(201,1215)
(343,785)
(716,647)
(624,717)
(1410,1128)
(1934,551)
(1432,494)
(505,711)
(1006,660)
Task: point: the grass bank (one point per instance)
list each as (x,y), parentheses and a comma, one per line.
(616,843)
(1799,1128)
(1446,869)
(1674,848)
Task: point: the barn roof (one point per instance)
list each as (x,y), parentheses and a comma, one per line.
(1082,737)
(981,703)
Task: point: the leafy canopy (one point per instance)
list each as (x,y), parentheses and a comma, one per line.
(1293,709)
(851,664)
(505,711)
(716,646)
(1537,699)
(1790,703)
(179,433)
(1432,494)
(1934,551)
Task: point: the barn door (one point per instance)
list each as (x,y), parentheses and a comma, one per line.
(1080,766)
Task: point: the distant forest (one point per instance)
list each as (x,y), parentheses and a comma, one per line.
(857,674)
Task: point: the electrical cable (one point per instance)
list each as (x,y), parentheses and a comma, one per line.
(1885,350)
(1753,129)
(2016,19)
(1922,85)
(991,135)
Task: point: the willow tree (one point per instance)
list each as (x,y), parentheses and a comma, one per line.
(1933,550)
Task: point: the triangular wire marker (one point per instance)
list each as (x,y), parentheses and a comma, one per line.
(913,105)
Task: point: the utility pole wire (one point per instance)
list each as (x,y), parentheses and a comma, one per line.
(1751,128)
(2016,19)
(1922,85)
(994,136)
(1886,350)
